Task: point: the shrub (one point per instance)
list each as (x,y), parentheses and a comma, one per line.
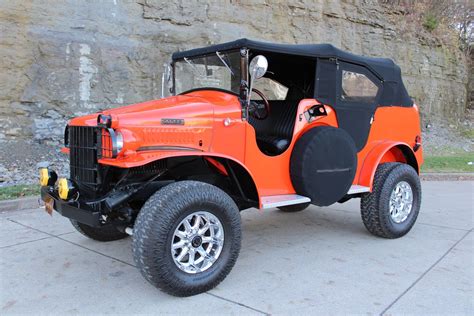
(430,22)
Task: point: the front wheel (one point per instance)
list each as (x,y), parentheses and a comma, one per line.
(187,237)
(391,209)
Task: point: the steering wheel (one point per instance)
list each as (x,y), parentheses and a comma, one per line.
(257,110)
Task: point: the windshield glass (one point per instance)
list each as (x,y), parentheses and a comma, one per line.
(220,70)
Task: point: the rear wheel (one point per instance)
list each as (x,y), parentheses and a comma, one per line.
(391,209)
(105,233)
(294,208)
(187,237)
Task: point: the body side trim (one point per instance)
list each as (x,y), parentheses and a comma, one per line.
(151,148)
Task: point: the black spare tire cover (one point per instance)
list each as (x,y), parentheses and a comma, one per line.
(323,164)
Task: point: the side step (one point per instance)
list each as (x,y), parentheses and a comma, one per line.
(272,201)
(355,189)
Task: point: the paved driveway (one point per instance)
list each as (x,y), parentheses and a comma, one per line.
(320,261)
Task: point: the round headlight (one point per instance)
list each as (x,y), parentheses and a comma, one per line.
(118,142)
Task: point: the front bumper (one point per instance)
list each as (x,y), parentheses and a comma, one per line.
(72,210)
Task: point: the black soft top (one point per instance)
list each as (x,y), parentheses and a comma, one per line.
(384,68)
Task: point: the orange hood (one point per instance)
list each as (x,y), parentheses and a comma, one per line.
(148,124)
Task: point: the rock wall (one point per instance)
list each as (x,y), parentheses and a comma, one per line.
(66,58)
(470,85)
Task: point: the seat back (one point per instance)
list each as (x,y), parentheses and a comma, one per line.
(281,121)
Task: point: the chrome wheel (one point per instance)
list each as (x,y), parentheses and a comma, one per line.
(401,202)
(197,242)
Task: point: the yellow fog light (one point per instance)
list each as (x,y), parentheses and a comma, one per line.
(44,176)
(47,177)
(63,188)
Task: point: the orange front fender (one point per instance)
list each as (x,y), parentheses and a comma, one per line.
(135,159)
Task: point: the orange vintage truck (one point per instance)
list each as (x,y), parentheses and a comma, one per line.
(248,124)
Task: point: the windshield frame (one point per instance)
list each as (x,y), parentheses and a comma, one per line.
(243,73)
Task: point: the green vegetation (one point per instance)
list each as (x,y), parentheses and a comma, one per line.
(455,163)
(430,22)
(18,191)
(469,133)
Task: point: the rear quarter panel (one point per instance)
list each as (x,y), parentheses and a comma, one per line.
(392,126)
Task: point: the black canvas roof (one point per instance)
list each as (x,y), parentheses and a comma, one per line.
(383,67)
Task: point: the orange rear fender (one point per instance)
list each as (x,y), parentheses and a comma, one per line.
(384,151)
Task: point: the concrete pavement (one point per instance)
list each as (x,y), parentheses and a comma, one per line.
(319,261)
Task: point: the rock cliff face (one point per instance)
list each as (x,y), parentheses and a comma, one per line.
(66,58)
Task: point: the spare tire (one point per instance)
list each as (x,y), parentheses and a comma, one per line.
(323,164)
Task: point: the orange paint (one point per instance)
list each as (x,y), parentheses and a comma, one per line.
(392,126)
(204,133)
(219,167)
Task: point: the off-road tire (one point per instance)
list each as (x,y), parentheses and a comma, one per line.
(294,208)
(105,233)
(155,226)
(375,208)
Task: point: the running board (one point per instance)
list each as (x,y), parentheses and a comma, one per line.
(355,189)
(272,201)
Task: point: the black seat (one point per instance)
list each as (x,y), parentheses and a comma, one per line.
(275,132)
(272,145)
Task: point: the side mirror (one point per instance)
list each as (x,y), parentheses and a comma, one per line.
(257,68)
